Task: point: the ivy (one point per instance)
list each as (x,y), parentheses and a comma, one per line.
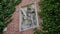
(7,8)
(50,14)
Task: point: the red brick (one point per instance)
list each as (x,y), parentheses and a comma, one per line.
(13,27)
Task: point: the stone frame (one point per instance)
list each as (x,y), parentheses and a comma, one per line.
(24,10)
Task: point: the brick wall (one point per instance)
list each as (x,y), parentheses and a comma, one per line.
(13,27)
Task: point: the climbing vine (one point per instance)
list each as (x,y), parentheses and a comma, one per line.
(50,14)
(7,8)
